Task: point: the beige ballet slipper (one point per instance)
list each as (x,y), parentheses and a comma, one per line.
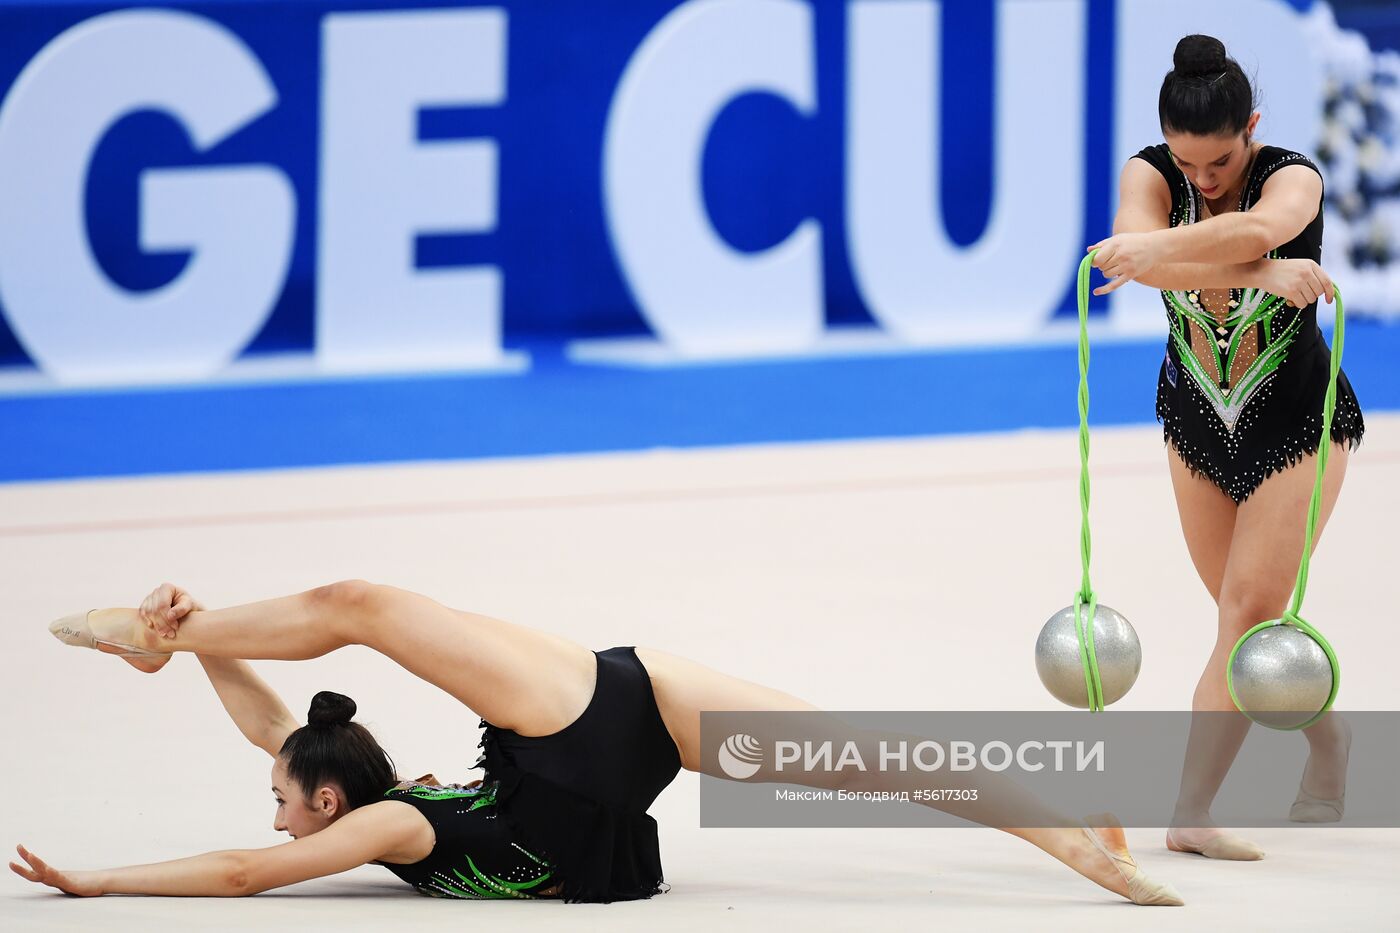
(1309,809)
(1226,847)
(1141,889)
(77,631)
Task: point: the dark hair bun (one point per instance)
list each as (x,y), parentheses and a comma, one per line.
(330,709)
(1206,93)
(1199,55)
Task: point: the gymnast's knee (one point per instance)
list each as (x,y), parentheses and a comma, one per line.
(346,607)
(1243,607)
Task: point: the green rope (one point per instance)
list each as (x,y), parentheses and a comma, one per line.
(1324,445)
(1290,616)
(1085,602)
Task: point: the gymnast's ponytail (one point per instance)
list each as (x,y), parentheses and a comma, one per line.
(1206,93)
(330,749)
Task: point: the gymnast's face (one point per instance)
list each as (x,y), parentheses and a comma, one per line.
(1214,164)
(297,815)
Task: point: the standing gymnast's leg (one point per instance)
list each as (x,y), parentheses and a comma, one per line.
(1238,551)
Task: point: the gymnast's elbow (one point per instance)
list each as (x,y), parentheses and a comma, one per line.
(239,875)
(235,875)
(1264,234)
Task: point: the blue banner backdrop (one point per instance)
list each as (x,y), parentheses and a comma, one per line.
(767,166)
(569,227)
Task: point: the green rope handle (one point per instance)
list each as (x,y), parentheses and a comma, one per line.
(1290,616)
(1085,602)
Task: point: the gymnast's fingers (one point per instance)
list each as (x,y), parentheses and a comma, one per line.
(149,612)
(183,607)
(1111,285)
(1319,283)
(25,870)
(39,867)
(148,609)
(24,873)
(164,596)
(1314,283)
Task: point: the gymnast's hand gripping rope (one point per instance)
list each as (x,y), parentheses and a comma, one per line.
(1290,616)
(1086,604)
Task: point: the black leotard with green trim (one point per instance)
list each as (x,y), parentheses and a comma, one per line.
(1233,419)
(475,854)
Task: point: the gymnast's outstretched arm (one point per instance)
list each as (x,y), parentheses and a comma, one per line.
(361,836)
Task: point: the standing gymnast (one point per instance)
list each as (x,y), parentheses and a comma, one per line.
(577,746)
(1240,393)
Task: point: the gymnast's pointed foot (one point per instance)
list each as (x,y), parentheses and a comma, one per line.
(112,631)
(1102,855)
